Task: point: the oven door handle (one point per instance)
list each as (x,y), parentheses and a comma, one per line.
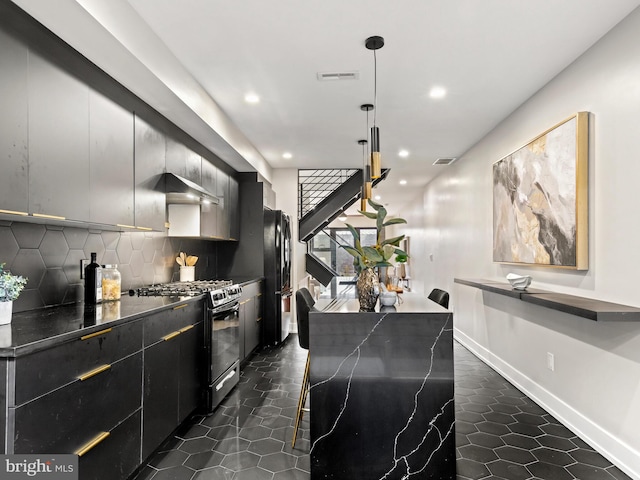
(219,313)
(229,375)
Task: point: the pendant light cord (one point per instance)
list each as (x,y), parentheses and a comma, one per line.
(375,89)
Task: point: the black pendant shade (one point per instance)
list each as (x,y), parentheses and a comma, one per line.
(376,162)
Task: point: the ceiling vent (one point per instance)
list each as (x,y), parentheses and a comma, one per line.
(445,161)
(327,76)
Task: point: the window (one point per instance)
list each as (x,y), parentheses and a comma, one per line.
(326,246)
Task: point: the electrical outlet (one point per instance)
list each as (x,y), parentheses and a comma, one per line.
(551,362)
(83,264)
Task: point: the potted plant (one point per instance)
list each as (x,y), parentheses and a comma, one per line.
(366,259)
(10,288)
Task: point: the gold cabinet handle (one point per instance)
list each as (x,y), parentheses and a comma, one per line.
(171,335)
(259,295)
(94,372)
(242,303)
(95,334)
(178,307)
(188,327)
(91,443)
(45,215)
(258,319)
(13,212)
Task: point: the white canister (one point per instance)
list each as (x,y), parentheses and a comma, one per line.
(6,310)
(187,273)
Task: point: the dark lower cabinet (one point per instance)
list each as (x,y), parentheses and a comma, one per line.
(172,371)
(161,387)
(250,318)
(122,444)
(191,371)
(112,396)
(252,327)
(79,411)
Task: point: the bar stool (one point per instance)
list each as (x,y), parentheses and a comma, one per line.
(304,304)
(439,296)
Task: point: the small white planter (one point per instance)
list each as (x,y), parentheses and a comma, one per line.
(6,309)
(187,274)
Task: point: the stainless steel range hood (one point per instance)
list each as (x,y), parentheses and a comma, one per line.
(179,190)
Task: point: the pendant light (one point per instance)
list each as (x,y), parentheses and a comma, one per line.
(366,170)
(365,190)
(375,43)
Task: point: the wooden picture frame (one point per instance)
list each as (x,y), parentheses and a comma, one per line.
(540,199)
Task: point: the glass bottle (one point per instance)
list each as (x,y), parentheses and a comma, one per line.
(93,281)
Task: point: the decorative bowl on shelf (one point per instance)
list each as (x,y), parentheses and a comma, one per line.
(519,282)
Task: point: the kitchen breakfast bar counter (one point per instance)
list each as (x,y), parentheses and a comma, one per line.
(381,395)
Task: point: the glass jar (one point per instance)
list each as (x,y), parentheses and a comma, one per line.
(111,283)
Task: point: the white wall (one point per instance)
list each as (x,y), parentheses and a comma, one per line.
(595,388)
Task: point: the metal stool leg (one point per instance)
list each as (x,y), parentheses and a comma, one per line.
(304,390)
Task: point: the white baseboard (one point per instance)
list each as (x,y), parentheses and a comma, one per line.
(624,456)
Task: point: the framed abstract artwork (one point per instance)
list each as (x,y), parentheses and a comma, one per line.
(540,199)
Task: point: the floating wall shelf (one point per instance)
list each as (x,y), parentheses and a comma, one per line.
(592,309)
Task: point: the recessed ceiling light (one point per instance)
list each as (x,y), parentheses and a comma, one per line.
(251,98)
(377,197)
(287,155)
(403,182)
(438,92)
(403,153)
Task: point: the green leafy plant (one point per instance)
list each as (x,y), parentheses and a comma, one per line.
(379,254)
(10,285)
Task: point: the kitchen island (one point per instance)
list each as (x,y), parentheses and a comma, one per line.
(381,395)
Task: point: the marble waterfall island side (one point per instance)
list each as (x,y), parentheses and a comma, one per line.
(381,394)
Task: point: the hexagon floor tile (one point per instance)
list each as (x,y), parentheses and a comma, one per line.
(500,433)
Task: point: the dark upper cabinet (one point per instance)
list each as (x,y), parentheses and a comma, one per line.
(149,167)
(183,162)
(111,161)
(209,175)
(233,207)
(14,182)
(209,213)
(222,192)
(58,142)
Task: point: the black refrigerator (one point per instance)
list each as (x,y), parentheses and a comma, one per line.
(277,272)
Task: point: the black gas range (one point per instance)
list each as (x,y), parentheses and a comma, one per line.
(221,331)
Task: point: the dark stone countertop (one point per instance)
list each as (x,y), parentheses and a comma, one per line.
(410,302)
(245,280)
(42,328)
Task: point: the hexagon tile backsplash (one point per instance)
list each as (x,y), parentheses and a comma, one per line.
(50,257)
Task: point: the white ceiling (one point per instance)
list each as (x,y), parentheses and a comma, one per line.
(490,55)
